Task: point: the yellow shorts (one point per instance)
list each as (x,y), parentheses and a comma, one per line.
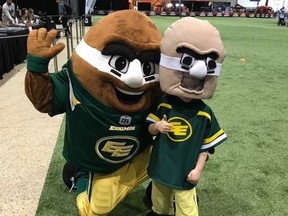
(163,197)
(104,192)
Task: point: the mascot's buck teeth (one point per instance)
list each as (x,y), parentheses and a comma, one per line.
(128,92)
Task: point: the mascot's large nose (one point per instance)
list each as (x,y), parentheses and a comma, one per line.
(134,76)
(198,69)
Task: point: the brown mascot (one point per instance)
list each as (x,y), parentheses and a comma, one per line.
(106,91)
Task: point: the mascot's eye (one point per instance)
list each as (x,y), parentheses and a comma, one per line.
(210,63)
(186,61)
(119,63)
(148,68)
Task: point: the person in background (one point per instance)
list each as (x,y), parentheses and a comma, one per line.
(1,24)
(31,17)
(0,13)
(281,16)
(1,16)
(24,12)
(18,16)
(8,13)
(63,15)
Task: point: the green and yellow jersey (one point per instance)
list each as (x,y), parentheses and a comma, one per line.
(97,138)
(194,129)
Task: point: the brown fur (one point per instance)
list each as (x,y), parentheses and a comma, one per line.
(40,97)
(117,27)
(121,27)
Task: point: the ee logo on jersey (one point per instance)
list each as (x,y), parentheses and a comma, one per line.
(117,149)
(181,129)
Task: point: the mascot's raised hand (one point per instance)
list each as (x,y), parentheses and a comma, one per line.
(38,86)
(39,43)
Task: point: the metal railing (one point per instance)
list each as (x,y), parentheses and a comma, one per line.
(13,36)
(76,26)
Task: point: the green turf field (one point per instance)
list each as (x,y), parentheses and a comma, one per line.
(247,176)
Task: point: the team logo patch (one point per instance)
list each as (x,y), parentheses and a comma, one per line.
(125,120)
(117,149)
(181,129)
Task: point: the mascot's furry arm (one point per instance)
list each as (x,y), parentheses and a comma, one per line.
(38,87)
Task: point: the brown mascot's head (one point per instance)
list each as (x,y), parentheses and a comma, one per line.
(118,59)
(191,56)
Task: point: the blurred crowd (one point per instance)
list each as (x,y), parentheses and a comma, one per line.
(11,16)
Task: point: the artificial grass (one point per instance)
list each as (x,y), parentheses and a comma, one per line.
(247,176)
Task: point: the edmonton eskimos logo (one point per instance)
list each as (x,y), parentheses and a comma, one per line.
(117,149)
(181,129)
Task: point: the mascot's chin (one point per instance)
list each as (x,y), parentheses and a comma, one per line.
(188,87)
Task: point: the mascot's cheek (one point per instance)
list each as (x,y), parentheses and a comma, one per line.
(210,86)
(108,96)
(171,84)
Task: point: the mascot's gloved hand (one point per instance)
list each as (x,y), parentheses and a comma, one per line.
(40,50)
(39,43)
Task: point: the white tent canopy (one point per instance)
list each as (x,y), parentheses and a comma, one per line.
(275,4)
(89,6)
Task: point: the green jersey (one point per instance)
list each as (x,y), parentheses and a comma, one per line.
(194,129)
(97,138)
